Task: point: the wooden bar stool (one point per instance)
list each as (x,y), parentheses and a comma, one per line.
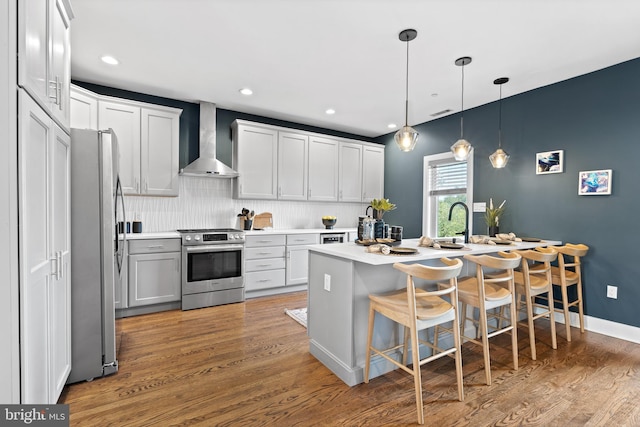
(417,309)
(488,293)
(530,283)
(569,273)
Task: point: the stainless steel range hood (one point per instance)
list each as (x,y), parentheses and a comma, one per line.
(207,165)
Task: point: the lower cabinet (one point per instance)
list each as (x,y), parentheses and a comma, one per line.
(298,257)
(154,272)
(264,262)
(276,263)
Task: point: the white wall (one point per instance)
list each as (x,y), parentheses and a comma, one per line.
(208,203)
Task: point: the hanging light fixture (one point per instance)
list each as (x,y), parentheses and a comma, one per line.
(499,158)
(462,148)
(407,137)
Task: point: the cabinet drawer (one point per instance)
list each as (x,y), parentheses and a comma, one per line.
(260,253)
(264,279)
(266,240)
(302,239)
(149,246)
(263,264)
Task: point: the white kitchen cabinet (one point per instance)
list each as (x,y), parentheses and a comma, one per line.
(264,262)
(277,163)
(148,141)
(84,109)
(159,148)
(350,172)
(372,173)
(255,158)
(298,257)
(323,169)
(44,55)
(293,162)
(124,119)
(154,271)
(45,288)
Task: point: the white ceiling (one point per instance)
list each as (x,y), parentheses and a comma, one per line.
(301,57)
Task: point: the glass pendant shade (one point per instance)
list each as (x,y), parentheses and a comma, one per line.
(406,138)
(499,158)
(461,149)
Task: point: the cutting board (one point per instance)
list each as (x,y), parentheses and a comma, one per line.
(263,220)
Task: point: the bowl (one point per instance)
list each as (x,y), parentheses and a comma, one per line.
(329,223)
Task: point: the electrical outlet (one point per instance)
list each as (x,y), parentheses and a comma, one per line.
(327,282)
(612,291)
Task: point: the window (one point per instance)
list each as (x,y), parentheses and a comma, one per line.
(446,181)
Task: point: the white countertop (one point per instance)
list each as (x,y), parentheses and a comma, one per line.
(299,231)
(155,235)
(354,252)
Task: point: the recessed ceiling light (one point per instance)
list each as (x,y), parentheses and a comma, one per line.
(330,111)
(246,91)
(392,125)
(107,59)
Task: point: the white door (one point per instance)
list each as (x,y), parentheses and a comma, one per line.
(36,258)
(33,47)
(372,173)
(124,119)
(257,162)
(323,169)
(159,150)
(350,177)
(293,153)
(60,63)
(297,265)
(60,285)
(84,110)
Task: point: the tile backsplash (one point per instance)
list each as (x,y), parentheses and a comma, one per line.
(208,203)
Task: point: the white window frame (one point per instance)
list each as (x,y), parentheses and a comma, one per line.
(429,207)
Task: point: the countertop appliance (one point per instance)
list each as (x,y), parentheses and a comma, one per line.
(212,267)
(97,205)
(326,238)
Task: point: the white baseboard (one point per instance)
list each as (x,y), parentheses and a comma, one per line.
(602,326)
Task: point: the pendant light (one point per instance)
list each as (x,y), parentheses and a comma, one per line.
(462,148)
(407,137)
(499,158)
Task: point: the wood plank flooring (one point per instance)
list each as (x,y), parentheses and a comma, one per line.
(248,364)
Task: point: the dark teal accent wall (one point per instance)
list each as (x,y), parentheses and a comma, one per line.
(595,119)
(190,123)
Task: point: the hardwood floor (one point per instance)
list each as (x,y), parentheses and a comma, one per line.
(248,364)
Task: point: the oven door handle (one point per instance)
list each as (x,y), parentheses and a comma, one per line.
(213,248)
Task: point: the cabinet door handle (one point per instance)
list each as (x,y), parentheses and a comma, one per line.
(264,280)
(55,85)
(155,247)
(61,269)
(279,191)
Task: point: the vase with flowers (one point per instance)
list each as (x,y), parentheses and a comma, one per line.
(380,206)
(492,217)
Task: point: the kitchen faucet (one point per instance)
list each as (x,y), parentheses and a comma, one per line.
(466,219)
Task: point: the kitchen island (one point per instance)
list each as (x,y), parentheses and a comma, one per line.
(342,276)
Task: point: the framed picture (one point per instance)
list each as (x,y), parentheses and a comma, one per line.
(594,183)
(549,162)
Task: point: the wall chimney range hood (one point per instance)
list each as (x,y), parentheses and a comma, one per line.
(207,165)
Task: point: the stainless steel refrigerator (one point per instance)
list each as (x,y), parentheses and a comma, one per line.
(97,248)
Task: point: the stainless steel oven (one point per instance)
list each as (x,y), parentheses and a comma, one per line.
(212,267)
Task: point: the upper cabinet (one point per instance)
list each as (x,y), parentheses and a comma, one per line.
(287,164)
(372,173)
(148,139)
(44,55)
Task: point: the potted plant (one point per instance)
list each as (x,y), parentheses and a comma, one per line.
(492,217)
(380,206)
